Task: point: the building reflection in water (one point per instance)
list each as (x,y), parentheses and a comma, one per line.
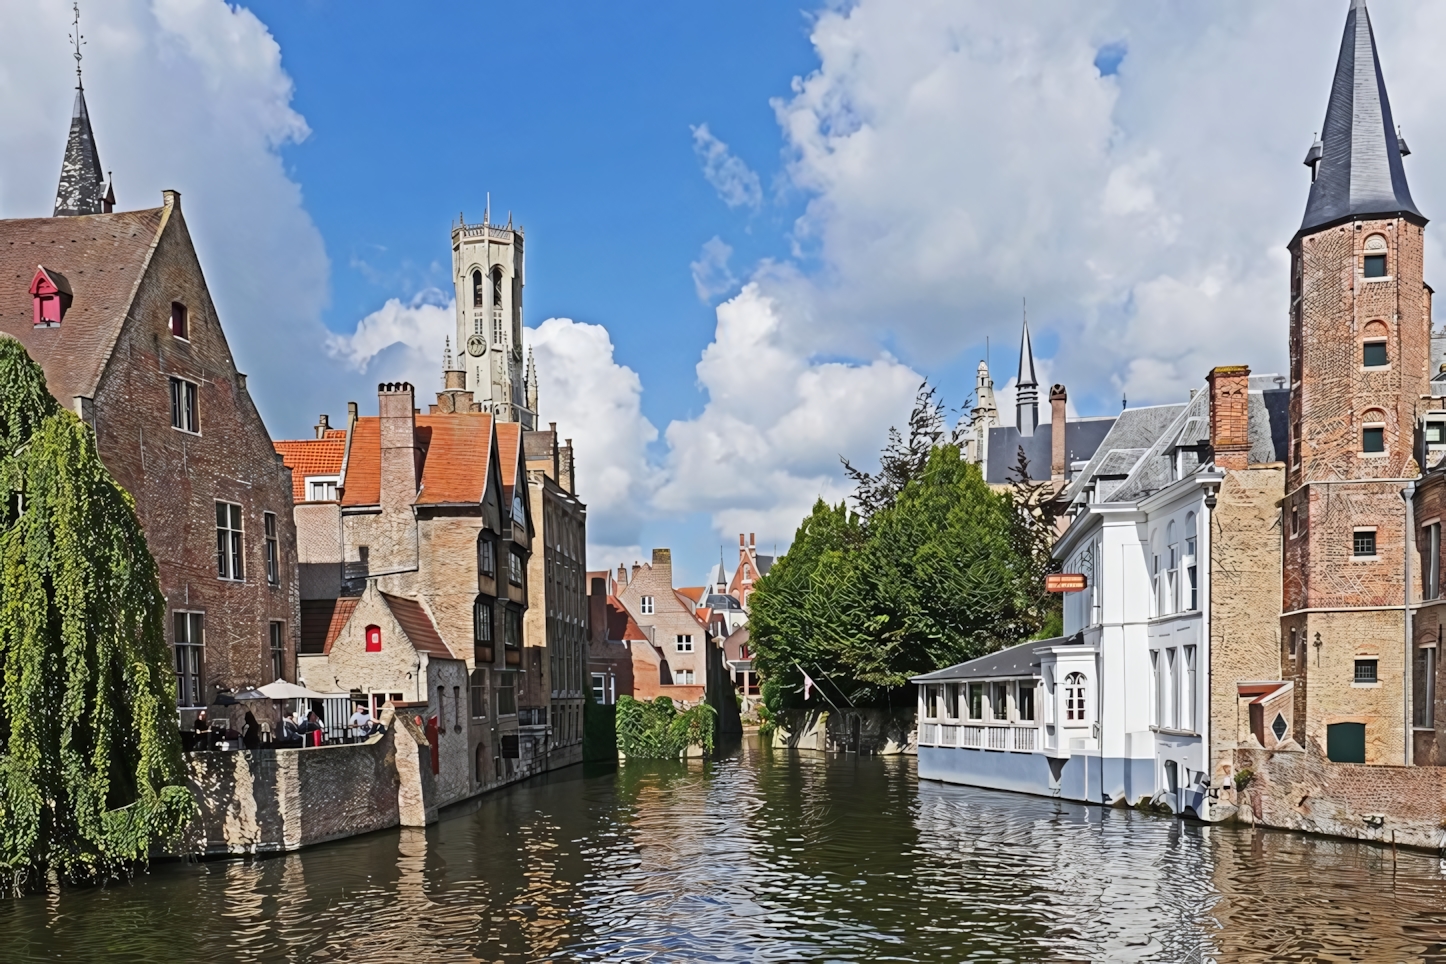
(764,856)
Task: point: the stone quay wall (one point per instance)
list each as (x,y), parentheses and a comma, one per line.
(1301,790)
(270,801)
(873,731)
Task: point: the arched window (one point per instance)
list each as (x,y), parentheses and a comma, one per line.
(498,328)
(497,285)
(1074,696)
(1375,257)
(374,639)
(1373,431)
(477,292)
(1155,608)
(1374,339)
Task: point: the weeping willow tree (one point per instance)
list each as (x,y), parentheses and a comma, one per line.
(90,764)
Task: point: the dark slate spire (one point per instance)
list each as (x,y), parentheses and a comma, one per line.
(1357,166)
(1026,388)
(82,187)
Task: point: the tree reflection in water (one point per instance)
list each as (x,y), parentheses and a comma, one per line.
(764,856)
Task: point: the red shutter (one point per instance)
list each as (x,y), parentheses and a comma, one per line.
(374,639)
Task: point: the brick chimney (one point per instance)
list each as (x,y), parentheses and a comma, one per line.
(322,425)
(663,564)
(1230,416)
(1057,398)
(401,457)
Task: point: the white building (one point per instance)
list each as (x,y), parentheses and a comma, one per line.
(1116,711)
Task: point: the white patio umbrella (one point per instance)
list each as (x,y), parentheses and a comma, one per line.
(282,690)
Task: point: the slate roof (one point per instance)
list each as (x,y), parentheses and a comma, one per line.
(1360,170)
(1082,437)
(312,456)
(1015,661)
(456,453)
(103,256)
(322,621)
(1130,435)
(417,625)
(82,181)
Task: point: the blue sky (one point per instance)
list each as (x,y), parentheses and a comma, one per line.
(752,227)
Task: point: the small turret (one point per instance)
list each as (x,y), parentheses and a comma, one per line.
(1026,398)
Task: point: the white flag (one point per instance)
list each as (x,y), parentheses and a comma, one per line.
(808,685)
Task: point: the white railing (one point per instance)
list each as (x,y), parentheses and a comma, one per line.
(1019,739)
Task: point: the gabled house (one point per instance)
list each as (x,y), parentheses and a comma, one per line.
(115,308)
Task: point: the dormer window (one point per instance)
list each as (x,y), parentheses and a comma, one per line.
(180,322)
(51,297)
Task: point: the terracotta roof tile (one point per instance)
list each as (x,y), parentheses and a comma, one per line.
(103,256)
(694,594)
(362,483)
(621,626)
(455,466)
(417,625)
(322,621)
(456,450)
(311,457)
(509,441)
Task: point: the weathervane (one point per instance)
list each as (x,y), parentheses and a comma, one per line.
(77,38)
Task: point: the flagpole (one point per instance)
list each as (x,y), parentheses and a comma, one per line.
(820,689)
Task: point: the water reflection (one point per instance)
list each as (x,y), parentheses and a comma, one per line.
(769,857)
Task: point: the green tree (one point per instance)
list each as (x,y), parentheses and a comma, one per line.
(90,765)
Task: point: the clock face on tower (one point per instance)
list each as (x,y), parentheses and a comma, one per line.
(476,345)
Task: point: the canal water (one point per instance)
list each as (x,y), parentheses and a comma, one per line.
(765,856)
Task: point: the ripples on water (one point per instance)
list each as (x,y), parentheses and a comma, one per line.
(765,856)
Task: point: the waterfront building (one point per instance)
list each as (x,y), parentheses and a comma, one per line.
(752,567)
(114,306)
(1174,529)
(555,632)
(617,646)
(680,642)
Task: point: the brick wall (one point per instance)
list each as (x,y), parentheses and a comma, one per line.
(177,477)
(1245,580)
(669,620)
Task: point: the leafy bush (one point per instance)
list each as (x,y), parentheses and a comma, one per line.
(657,731)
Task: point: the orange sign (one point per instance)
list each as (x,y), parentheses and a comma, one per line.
(1065,582)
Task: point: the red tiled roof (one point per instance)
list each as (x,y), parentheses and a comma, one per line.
(103,256)
(693,593)
(308,456)
(417,625)
(362,483)
(509,441)
(455,466)
(621,626)
(322,621)
(456,449)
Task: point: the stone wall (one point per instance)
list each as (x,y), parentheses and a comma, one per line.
(269,801)
(1301,790)
(834,731)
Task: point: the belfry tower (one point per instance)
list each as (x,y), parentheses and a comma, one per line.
(1360,346)
(488,272)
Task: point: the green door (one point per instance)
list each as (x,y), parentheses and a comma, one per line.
(1346,742)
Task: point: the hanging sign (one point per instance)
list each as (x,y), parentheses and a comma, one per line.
(1066,582)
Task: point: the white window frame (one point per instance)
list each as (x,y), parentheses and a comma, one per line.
(185,398)
(193,620)
(231,542)
(684,642)
(646,605)
(327,484)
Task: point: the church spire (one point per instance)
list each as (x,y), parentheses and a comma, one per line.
(1026,388)
(82,188)
(531,383)
(1356,164)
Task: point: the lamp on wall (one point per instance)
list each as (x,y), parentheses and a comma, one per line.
(1317,644)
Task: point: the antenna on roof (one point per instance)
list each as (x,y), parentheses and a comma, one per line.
(77,38)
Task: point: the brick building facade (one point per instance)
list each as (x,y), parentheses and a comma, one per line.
(135,347)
